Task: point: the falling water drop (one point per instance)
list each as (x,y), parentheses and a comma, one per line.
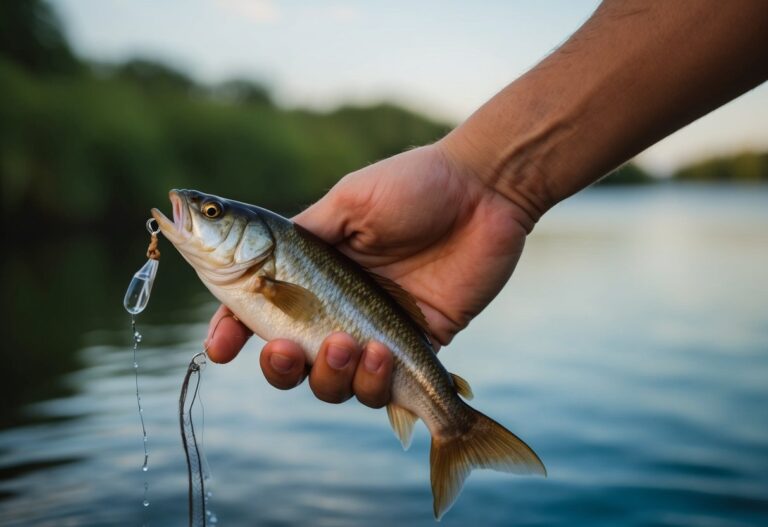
(144,437)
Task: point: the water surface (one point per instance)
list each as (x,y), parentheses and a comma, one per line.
(630,350)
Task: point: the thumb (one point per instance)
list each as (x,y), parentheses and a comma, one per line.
(326,218)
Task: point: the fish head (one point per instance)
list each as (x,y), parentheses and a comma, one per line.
(222,239)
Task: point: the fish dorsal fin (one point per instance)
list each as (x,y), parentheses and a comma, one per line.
(404,300)
(462,387)
(400,295)
(293,300)
(402,421)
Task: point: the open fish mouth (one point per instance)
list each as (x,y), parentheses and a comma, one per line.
(180,228)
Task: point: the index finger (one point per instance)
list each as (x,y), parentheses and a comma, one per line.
(226,336)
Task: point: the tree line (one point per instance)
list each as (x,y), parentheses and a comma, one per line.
(85,144)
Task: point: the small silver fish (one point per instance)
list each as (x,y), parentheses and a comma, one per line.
(283,282)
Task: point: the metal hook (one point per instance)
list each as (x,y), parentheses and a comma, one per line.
(199,360)
(152,231)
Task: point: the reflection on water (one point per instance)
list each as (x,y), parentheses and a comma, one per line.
(630,350)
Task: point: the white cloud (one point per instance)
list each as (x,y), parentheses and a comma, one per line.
(260,11)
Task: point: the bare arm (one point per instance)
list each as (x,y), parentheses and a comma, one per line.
(448,221)
(635,72)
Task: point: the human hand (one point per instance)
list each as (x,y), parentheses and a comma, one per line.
(420,218)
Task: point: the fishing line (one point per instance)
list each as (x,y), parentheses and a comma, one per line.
(199,513)
(135,301)
(198,472)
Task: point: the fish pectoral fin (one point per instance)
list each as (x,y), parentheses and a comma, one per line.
(293,300)
(462,387)
(485,444)
(402,421)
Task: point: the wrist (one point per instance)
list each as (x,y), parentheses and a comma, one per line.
(473,158)
(512,162)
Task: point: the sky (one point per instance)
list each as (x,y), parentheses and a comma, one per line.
(440,58)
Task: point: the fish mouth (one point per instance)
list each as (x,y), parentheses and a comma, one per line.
(181,226)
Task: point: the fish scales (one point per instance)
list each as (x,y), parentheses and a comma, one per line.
(351,301)
(283,282)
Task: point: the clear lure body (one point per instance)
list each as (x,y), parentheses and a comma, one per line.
(137,295)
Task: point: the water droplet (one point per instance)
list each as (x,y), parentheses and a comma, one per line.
(144,468)
(136,365)
(209,494)
(146,439)
(137,336)
(146,504)
(141,410)
(208,513)
(214,519)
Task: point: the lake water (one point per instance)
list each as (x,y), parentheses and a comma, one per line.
(630,350)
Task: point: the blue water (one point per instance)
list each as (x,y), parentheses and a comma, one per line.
(630,349)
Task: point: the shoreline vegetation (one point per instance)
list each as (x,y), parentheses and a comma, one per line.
(86,145)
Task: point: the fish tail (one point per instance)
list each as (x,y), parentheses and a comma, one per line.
(486,444)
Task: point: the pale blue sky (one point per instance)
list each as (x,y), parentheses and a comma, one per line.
(443,58)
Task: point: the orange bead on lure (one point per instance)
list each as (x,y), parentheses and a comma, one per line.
(283,282)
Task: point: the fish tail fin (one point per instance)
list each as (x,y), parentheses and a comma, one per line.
(486,444)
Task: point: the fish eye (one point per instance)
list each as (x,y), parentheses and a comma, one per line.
(211,210)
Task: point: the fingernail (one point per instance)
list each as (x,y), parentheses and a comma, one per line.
(337,357)
(281,363)
(373,360)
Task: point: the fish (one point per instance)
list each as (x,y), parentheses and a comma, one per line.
(282,281)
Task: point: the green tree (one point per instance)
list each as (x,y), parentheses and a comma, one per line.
(31,36)
(750,167)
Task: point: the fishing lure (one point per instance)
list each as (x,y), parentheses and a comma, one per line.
(135,301)
(137,295)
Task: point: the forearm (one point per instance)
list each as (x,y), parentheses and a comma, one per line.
(633,73)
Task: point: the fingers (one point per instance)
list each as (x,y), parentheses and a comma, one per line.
(283,364)
(343,369)
(334,368)
(330,216)
(226,336)
(373,379)
(323,219)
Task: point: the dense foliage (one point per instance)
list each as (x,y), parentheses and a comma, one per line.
(85,144)
(745,167)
